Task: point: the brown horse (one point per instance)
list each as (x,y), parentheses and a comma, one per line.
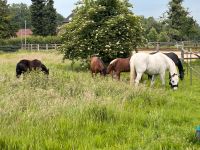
(97,66)
(118,65)
(29,65)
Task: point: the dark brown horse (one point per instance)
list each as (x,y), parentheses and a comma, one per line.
(97,66)
(118,65)
(29,65)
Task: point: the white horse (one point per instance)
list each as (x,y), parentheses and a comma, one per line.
(153,65)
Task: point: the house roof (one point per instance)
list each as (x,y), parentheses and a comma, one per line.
(68,19)
(22,32)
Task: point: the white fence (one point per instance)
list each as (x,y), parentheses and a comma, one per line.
(39,47)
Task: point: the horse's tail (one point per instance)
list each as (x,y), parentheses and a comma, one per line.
(132,71)
(180,69)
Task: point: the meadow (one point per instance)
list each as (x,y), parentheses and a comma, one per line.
(72,110)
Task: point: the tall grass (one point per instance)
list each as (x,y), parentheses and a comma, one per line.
(71,110)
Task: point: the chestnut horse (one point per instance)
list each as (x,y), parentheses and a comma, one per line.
(97,66)
(29,65)
(118,65)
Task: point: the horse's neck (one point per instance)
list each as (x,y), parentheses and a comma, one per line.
(171,65)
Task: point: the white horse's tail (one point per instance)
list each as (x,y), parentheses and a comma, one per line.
(132,71)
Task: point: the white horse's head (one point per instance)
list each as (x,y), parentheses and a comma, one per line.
(174,81)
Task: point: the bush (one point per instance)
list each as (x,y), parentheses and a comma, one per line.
(32,40)
(163,37)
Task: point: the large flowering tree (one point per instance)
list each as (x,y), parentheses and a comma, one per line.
(106,28)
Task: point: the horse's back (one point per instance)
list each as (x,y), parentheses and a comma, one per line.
(139,61)
(36,63)
(24,61)
(96,64)
(123,64)
(150,63)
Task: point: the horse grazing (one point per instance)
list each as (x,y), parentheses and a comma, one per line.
(29,65)
(152,64)
(97,66)
(118,65)
(177,62)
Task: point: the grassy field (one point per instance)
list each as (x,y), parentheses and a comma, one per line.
(71,110)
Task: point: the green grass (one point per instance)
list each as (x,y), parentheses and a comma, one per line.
(71,110)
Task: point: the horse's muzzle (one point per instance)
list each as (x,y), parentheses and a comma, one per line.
(174,87)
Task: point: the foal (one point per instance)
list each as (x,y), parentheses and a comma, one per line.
(118,65)
(29,65)
(97,66)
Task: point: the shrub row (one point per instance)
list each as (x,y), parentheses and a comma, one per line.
(32,40)
(9,48)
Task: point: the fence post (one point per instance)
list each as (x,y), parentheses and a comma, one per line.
(157,46)
(38,47)
(55,46)
(31,47)
(190,67)
(182,55)
(46,46)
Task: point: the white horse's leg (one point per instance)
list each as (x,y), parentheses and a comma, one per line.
(162,77)
(152,80)
(138,78)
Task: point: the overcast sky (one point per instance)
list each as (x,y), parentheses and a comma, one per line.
(146,8)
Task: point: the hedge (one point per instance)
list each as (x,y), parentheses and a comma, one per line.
(31,40)
(9,48)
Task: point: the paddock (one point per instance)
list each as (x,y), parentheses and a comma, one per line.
(75,109)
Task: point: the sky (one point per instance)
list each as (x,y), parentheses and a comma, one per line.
(146,8)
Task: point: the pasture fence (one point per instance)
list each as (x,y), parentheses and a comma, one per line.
(193,68)
(38,47)
(187,51)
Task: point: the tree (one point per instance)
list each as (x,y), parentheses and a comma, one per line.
(59,19)
(179,21)
(37,17)
(20,13)
(6,30)
(151,22)
(50,18)
(104,28)
(152,35)
(163,37)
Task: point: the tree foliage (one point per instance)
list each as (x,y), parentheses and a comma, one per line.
(163,37)
(50,18)
(104,28)
(6,29)
(59,19)
(179,21)
(152,35)
(43,17)
(20,13)
(37,17)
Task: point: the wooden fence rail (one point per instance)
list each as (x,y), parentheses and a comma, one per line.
(39,47)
